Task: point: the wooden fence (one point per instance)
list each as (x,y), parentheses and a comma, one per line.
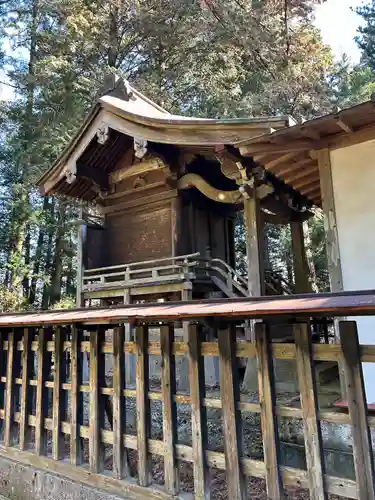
(53,420)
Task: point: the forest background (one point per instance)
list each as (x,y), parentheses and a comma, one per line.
(211,58)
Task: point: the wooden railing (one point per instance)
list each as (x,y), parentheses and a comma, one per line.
(54,419)
(169,269)
(140,273)
(232,281)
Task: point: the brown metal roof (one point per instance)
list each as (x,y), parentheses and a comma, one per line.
(290,153)
(339,304)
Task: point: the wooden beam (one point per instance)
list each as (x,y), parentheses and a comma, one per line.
(266,147)
(287,157)
(345,140)
(304,188)
(253,228)
(344,126)
(289,169)
(189,181)
(96,175)
(310,133)
(330,225)
(306,178)
(303,170)
(311,188)
(159,198)
(313,194)
(301,268)
(264,158)
(137,169)
(282,210)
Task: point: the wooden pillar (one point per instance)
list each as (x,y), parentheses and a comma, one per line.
(332,241)
(182,367)
(253,229)
(229,391)
(186,294)
(130,358)
(310,411)
(176,208)
(256,286)
(330,226)
(357,406)
(301,268)
(80,264)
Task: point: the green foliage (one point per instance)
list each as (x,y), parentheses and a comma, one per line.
(366,37)
(67,302)
(10,300)
(350,84)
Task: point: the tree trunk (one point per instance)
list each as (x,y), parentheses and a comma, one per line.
(309,257)
(57,266)
(38,255)
(26,250)
(48,259)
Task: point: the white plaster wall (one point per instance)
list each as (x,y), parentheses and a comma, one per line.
(353,176)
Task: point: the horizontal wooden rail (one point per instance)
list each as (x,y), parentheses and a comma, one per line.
(296,306)
(153,262)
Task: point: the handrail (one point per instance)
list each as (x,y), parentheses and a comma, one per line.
(142,263)
(343,304)
(283,282)
(131,272)
(228,268)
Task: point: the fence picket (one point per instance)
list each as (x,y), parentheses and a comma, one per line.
(120,465)
(143,405)
(168,379)
(309,404)
(76,397)
(357,405)
(198,415)
(229,391)
(41,393)
(267,401)
(26,394)
(96,453)
(10,389)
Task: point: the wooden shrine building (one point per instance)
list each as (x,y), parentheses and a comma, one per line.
(168,189)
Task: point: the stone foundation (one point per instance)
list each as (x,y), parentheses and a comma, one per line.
(20,482)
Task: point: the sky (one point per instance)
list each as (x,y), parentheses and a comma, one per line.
(335,18)
(338,24)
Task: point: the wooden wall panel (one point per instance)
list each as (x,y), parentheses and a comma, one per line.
(93,251)
(136,236)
